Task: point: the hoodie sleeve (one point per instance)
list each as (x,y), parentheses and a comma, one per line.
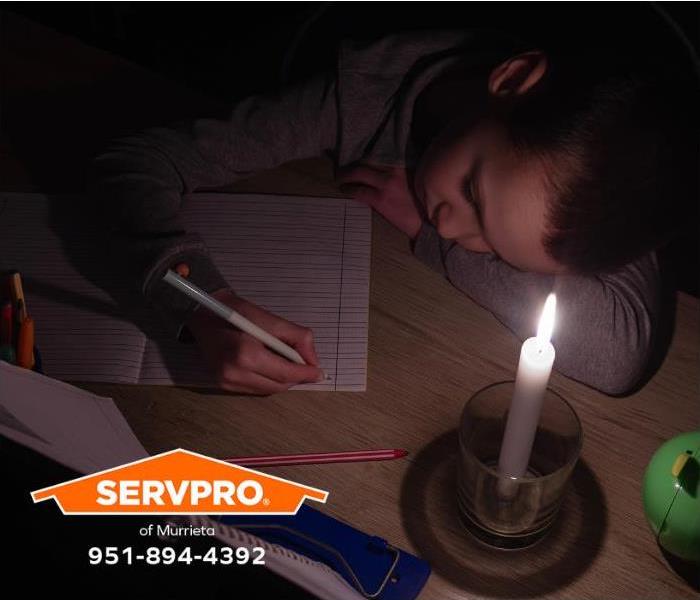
(139,181)
(606,325)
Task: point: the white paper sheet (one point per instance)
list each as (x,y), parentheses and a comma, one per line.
(71,426)
(306,259)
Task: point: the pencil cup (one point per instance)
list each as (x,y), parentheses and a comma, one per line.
(515,512)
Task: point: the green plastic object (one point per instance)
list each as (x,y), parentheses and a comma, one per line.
(671,495)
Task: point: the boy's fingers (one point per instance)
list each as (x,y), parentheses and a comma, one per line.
(253,356)
(285,371)
(235,379)
(299,338)
(362,175)
(305,347)
(260,384)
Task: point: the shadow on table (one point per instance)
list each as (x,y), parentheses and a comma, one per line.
(686,570)
(429,515)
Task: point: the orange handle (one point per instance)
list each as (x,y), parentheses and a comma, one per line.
(25,344)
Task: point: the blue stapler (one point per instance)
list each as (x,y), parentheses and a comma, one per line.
(372,566)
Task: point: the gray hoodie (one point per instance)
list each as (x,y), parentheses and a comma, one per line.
(362,111)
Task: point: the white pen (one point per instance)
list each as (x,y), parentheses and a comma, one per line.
(230,315)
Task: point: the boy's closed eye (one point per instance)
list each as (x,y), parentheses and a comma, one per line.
(470,198)
(484,196)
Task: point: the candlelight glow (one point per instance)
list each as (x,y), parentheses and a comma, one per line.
(546,325)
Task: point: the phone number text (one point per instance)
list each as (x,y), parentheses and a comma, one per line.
(167,555)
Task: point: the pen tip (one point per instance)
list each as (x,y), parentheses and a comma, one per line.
(400,453)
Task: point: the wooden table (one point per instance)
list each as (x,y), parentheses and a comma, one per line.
(430,349)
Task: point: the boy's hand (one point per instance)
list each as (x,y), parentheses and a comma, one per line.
(243,364)
(387,190)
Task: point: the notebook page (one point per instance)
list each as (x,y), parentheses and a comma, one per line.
(305,259)
(68,424)
(81,330)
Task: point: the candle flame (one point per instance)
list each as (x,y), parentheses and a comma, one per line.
(546,325)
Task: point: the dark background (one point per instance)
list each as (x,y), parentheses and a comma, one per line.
(228,50)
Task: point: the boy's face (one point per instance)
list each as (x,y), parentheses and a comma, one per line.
(480,193)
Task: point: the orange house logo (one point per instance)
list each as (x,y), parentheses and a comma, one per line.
(179,481)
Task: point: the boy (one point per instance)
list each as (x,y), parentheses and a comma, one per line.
(512,174)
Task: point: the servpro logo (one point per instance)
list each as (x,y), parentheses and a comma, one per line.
(179,481)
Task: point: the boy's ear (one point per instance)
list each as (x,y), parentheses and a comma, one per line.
(518,74)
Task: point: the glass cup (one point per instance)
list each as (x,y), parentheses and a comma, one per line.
(513,512)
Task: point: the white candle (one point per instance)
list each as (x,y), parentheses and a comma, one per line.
(534,369)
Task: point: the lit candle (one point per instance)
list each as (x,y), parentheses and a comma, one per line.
(534,368)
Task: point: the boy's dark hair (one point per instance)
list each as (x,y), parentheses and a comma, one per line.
(621,145)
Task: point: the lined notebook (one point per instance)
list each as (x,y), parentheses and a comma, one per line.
(305,259)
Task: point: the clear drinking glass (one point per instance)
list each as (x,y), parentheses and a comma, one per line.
(515,512)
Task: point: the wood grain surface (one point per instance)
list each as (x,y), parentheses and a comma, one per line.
(430,349)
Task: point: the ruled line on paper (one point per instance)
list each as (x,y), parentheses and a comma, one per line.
(340,298)
(305,259)
(302,278)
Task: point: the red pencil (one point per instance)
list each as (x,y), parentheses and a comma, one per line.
(314,459)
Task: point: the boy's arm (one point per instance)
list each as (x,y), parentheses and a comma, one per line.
(139,181)
(605,324)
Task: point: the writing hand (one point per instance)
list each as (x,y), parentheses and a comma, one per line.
(241,363)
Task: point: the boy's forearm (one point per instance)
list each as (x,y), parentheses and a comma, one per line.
(141,191)
(140,180)
(605,325)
